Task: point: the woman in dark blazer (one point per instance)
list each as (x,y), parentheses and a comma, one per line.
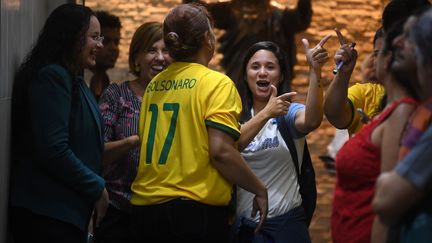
(57,140)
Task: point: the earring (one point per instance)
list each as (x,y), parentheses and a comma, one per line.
(137,68)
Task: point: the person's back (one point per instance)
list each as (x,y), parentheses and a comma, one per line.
(188,127)
(177,106)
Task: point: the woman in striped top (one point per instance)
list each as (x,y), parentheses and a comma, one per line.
(120,106)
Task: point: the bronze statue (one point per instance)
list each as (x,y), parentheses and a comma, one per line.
(247,22)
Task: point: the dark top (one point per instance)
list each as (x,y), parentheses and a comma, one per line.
(57,151)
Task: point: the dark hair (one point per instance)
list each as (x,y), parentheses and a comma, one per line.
(378,34)
(60,41)
(143,39)
(239,3)
(184,29)
(241,82)
(108,20)
(421,36)
(400,9)
(61,38)
(395,31)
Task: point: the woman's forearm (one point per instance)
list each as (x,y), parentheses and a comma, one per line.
(115,149)
(314,103)
(251,128)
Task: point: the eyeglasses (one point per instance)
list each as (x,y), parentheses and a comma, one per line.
(97,39)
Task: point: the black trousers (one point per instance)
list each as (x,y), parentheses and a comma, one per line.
(180,221)
(115,227)
(27,226)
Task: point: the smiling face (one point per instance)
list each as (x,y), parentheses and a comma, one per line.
(87,56)
(153,61)
(262,70)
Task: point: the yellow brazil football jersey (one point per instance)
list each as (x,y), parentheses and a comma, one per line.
(366,96)
(177,106)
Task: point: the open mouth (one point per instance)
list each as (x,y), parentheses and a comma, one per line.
(263,83)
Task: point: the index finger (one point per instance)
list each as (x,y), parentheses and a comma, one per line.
(324,40)
(287,96)
(341,38)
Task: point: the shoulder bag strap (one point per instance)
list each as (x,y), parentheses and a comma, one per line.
(286,135)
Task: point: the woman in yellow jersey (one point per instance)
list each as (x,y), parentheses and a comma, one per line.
(188,126)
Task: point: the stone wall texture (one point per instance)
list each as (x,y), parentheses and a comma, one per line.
(357,19)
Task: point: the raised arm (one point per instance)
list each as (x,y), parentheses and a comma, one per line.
(336,105)
(298,19)
(230,164)
(310,118)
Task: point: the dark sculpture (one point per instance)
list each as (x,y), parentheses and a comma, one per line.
(249,21)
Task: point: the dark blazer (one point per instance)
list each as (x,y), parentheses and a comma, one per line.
(57,152)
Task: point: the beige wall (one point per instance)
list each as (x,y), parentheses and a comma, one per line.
(358,20)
